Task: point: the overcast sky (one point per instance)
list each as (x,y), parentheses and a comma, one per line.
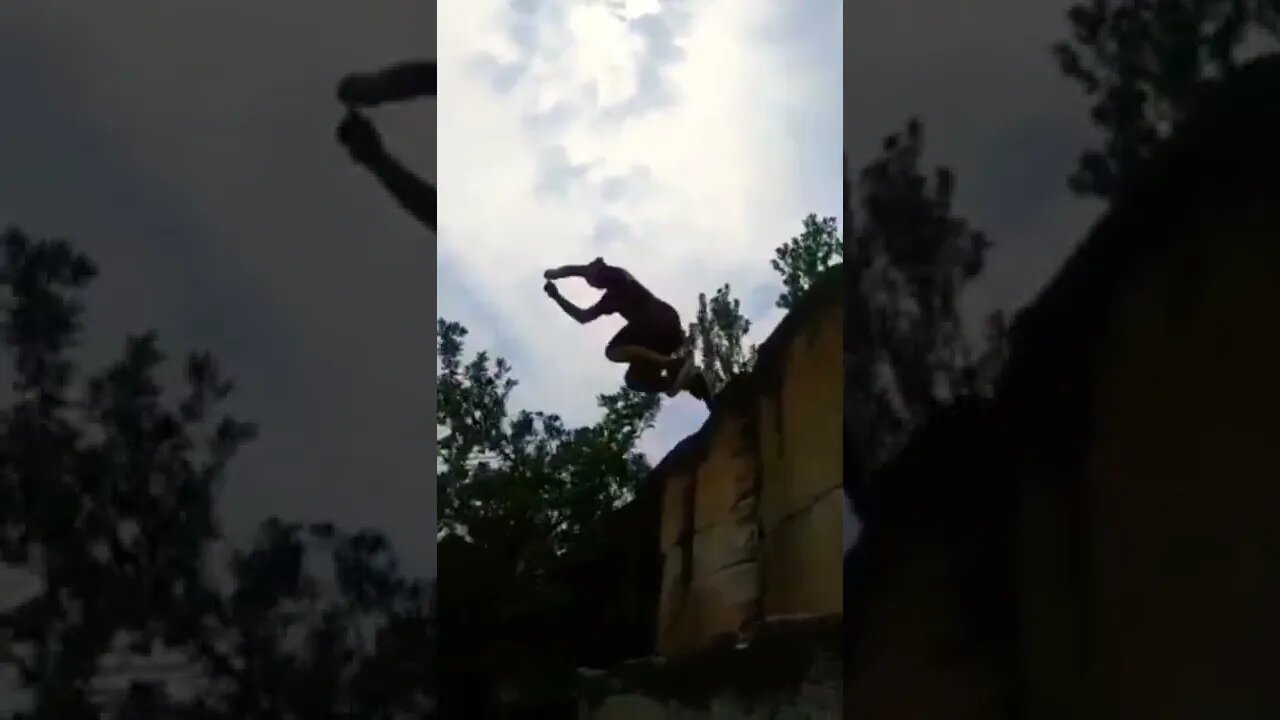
(995,109)
(683,140)
(189,151)
(188,148)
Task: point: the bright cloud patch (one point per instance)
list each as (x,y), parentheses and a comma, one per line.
(656,134)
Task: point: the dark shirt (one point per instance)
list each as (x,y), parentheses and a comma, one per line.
(624,295)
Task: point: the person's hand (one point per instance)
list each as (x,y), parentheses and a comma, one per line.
(360,138)
(551,274)
(551,290)
(357,91)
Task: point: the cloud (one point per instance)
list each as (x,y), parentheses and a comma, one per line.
(557,174)
(634,181)
(610,232)
(653,133)
(195,161)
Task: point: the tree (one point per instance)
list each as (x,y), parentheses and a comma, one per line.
(719,335)
(1140,62)
(905,346)
(105,490)
(519,493)
(804,258)
(284,645)
(500,470)
(107,494)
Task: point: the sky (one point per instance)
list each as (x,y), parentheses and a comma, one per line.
(682,140)
(995,109)
(188,148)
(189,151)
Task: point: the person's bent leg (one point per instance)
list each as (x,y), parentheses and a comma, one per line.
(645,378)
(656,348)
(631,354)
(632,345)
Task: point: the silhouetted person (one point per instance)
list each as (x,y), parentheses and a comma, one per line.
(652,341)
(357,134)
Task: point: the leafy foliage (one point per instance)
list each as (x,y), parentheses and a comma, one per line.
(803,259)
(1140,61)
(285,645)
(719,331)
(107,494)
(719,336)
(105,490)
(511,478)
(905,346)
(520,493)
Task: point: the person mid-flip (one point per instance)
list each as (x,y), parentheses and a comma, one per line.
(652,341)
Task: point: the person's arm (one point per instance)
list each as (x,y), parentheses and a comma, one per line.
(608,275)
(410,191)
(565,271)
(582,315)
(402,81)
(361,139)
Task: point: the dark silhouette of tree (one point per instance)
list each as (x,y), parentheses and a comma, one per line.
(500,471)
(285,645)
(909,260)
(107,490)
(803,259)
(520,494)
(1140,61)
(718,332)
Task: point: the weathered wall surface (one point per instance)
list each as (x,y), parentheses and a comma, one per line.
(1113,552)
(928,599)
(1163,516)
(752,516)
(1181,478)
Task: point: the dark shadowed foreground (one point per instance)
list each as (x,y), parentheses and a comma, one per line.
(1101,539)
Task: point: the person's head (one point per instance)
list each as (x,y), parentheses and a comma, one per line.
(594,271)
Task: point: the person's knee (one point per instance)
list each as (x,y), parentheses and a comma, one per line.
(633,382)
(641,379)
(619,353)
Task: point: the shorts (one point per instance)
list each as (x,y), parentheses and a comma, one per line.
(660,331)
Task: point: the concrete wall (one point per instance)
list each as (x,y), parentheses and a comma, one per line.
(1182,478)
(752,509)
